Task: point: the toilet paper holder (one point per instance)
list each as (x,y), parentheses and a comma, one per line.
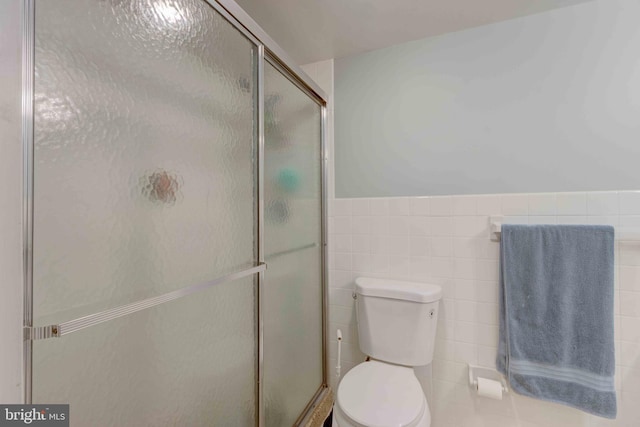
(488,373)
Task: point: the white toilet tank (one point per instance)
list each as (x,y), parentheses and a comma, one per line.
(397,320)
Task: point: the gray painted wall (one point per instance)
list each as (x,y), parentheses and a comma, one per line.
(549,102)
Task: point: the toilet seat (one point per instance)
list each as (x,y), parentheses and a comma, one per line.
(377,394)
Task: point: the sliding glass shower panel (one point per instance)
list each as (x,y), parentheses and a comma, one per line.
(145,182)
(144,151)
(293,249)
(186,363)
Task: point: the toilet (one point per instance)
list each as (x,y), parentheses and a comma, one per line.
(396,329)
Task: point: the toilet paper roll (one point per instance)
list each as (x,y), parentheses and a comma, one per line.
(489,388)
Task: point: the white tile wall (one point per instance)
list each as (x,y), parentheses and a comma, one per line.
(445,240)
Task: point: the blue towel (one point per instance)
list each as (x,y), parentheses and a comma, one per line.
(556,314)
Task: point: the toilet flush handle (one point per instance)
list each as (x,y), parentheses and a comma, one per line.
(338,366)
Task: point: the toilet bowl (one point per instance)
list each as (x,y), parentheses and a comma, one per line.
(378,394)
(396,329)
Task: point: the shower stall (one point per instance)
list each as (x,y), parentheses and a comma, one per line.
(175,226)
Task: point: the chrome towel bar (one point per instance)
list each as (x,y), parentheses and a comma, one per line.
(623,234)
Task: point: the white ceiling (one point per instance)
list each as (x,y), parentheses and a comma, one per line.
(313,30)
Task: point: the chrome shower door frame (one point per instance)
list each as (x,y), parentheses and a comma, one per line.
(28,74)
(268,50)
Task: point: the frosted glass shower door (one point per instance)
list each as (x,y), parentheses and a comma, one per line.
(293,369)
(145,182)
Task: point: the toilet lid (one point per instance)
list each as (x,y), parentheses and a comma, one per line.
(377,394)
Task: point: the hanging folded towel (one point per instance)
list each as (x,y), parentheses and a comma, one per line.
(556,314)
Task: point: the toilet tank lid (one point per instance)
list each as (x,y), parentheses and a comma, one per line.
(398,289)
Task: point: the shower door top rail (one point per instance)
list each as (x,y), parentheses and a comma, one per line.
(56,331)
(231,9)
